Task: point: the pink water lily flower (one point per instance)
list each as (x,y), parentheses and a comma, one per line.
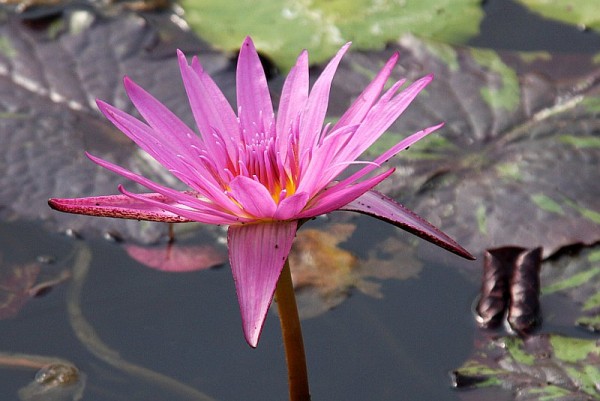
(258,173)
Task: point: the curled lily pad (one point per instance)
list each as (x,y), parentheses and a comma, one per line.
(541,367)
(511,287)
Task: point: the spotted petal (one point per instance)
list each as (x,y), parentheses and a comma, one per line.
(119,206)
(380,206)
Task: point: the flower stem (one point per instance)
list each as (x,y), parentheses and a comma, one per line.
(292,336)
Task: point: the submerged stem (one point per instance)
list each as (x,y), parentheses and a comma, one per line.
(88,336)
(291,332)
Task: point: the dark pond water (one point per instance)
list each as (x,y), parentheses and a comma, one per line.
(187,326)
(141,334)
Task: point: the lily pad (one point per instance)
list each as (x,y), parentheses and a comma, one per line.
(516,163)
(576,279)
(281,28)
(542,367)
(51,72)
(583,13)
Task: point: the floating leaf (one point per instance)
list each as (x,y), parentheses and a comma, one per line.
(576,278)
(51,73)
(517,164)
(541,367)
(280,28)
(583,13)
(517,147)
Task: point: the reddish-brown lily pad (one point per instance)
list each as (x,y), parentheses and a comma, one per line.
(516,163)
(542,367)
(51,72)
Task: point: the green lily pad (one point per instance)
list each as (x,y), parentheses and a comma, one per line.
(583,13)
(542,367)
(281,27)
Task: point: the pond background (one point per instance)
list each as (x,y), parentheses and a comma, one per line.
(187,325)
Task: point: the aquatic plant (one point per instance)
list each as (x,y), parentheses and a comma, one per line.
(263,174)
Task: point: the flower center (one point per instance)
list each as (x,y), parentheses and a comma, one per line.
(259,158)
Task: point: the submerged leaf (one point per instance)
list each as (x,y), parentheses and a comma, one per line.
(324,274)
(22,281)
(15,285)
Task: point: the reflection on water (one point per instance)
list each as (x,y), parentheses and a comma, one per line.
(142,334)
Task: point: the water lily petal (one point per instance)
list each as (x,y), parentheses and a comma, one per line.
(215,205)
(163,120)
(254,198)
(384,208)
(119,206)
(293,96)
(394,150)
(257,253)
(363,103)
(318,100)
(291,206)
(212,112)
(206,216)
(152,142)
(319,170)
(253,98)
(337,196)
(381,116)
